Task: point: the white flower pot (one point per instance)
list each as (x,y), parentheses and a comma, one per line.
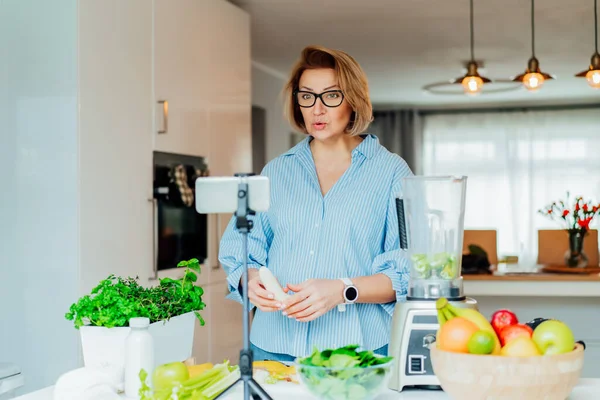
(173,341)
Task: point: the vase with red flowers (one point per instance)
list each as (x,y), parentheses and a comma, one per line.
(575,217)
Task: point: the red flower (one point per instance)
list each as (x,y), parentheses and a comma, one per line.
(585,223)
(594,209)
(585,208)
(577,207)
(565,213)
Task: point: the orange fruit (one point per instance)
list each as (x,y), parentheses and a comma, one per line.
(454,335)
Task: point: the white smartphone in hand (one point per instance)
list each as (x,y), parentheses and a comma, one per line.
(220,194)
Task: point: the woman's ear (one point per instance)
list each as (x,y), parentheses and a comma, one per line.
(351,122)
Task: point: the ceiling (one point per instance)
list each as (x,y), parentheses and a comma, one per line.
(405,44)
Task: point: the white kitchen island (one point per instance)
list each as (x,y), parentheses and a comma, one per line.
(587,389)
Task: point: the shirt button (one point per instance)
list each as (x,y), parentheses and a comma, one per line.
(316,225)
(312,253)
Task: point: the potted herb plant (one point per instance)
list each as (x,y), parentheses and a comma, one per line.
(576,219)
(102,317)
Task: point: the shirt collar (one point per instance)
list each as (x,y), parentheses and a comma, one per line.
(368,147)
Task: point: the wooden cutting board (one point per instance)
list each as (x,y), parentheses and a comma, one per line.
(568,270)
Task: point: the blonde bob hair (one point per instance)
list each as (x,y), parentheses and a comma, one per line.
(351,79)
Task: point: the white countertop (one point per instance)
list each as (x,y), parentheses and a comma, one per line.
(587,389)
(531,288)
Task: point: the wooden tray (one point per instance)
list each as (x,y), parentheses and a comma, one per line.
(568,270)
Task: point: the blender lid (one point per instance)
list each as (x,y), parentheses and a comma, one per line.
(8,369)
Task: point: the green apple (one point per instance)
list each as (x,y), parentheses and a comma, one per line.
(553,337)
(167,376)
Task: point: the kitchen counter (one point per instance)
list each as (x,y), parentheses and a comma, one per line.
(532,284)
(587,389)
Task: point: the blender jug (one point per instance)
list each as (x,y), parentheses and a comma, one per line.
(434,209)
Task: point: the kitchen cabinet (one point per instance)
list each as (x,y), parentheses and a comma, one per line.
(225,325)
(202,70)
(221,337)
(181,59)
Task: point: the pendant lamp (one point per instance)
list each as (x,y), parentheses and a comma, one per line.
(592,74)
(472,82)
(533,78)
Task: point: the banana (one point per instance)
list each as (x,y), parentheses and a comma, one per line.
(472,315)
(448,314)
(441,317)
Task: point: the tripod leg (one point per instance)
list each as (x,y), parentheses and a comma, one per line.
(262,393)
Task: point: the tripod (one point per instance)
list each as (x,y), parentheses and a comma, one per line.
(246,357)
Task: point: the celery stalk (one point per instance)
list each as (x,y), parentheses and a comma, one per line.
(206,378)
(216,388)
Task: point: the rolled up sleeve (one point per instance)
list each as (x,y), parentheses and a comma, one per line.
(231,250)
(393,261)
(395,266)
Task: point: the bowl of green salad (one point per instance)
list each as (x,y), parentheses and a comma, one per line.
(345,373)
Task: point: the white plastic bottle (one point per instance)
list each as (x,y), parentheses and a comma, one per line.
(139,353)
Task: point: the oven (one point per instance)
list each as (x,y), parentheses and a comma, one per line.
(180,233)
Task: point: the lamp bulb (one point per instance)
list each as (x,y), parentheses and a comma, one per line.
(533,81)
(472,84)
(593,78)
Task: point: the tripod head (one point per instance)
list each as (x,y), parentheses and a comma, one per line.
(242,223)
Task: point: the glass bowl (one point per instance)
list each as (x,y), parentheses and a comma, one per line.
(344,383)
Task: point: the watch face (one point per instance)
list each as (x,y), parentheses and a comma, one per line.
(351,293)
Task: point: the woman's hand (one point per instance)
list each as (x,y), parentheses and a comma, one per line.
(313,298)
(259,296)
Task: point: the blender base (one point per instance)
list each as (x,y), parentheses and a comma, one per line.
(414,327)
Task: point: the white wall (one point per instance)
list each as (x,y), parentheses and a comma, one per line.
(38,176)
(267,86)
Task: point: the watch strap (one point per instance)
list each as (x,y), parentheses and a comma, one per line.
(347,282)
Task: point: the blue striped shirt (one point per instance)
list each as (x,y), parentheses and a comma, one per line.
(351,231)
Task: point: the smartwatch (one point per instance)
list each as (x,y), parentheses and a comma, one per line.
(350,294)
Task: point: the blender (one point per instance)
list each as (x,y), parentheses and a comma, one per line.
(431,224)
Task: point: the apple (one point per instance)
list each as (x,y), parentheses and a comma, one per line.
(511,332)
(502,318)
(553,337)
(166,376)
(520,347)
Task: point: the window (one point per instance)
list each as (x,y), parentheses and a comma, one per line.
(516,163)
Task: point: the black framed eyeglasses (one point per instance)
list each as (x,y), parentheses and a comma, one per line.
(330,98)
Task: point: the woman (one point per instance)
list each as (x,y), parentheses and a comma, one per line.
(330,236)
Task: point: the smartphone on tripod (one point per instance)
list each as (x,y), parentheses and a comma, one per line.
(220,194)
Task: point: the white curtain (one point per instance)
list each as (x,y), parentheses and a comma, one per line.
(516,163)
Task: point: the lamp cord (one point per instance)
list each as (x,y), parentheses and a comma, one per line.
(596,24)
(533,29)
(472,34)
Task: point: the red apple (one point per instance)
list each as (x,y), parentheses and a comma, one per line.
(502,318)
(511,332)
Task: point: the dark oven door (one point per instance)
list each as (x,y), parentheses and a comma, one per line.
(181,233)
